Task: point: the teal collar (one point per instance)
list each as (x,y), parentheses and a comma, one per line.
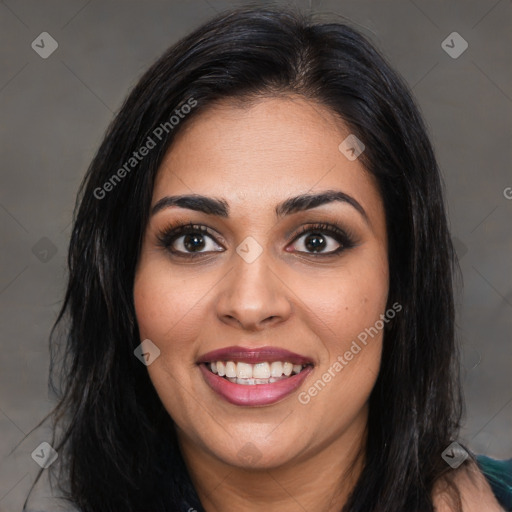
(499,475)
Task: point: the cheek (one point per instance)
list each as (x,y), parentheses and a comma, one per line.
(164,303)
(149,299)
(350,328)
(346,304)
(348,323)
(166,316)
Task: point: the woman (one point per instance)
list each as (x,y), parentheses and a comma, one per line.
(260,292)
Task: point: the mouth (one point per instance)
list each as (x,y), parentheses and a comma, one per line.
(248,374)
(254,376)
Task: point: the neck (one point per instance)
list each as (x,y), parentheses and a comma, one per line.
(320,479)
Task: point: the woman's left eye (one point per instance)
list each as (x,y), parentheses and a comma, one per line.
(318,240)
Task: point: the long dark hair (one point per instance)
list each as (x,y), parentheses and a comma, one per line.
(118,441)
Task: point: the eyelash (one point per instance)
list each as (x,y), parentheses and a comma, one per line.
(172,232)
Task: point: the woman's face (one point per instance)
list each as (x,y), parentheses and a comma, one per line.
(255,280)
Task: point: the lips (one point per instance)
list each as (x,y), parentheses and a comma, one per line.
(256,394)
(259,394)
(253,356)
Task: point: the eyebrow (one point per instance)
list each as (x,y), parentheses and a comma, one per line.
(220,207)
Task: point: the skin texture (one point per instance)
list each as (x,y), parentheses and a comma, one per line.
(476,493)
(255,157)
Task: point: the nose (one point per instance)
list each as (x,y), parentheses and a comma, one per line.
(252,296)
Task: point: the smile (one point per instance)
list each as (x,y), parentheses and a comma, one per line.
(256,394)
(254,377)
(254,374)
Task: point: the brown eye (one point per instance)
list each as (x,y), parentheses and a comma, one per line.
(323,240)
(317,243)
(188,240)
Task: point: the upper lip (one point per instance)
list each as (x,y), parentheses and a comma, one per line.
(253,355)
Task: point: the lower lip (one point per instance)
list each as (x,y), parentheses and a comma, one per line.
(257,394)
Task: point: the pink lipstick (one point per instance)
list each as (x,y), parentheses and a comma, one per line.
(219,368)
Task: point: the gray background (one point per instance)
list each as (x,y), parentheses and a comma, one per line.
(54,112)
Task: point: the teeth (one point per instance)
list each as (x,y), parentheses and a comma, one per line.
(230,369)
(276,369)
(244,371)
(259,373)
(251,382)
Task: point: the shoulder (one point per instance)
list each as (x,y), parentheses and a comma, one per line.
(473,488)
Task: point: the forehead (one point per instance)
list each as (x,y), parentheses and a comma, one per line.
(262,153)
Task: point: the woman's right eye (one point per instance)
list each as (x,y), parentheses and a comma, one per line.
(188,240)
